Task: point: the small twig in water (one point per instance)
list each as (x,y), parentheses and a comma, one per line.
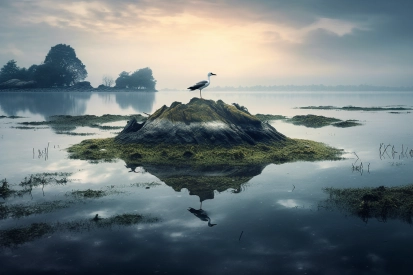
(240,236)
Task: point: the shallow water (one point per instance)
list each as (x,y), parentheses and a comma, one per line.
(270,224)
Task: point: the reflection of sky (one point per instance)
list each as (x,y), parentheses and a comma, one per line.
(283,229)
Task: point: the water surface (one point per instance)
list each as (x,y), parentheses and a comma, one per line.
(270,223)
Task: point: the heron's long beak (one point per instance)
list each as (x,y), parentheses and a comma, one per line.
(213,74)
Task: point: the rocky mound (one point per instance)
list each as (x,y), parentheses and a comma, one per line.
(199,122)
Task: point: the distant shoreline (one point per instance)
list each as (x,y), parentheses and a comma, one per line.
(72,89)
(305,88)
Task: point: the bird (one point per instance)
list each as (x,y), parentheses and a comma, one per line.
(201,84)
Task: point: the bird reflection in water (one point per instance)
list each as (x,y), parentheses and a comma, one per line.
(202,215)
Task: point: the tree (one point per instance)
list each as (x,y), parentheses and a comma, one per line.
(9,71)
(140,79)
(48,75)
(63,65)
(123,80)
(107,81)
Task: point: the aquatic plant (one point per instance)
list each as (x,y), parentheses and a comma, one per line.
(20,235)
(66,123)
(313,121)
(269,117)
(89,193)
(355,108)
(17,211)
(346,124)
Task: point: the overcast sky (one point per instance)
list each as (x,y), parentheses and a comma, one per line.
(260,42)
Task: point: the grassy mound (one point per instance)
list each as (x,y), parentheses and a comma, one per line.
(277,152)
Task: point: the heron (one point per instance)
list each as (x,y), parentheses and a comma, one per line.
(201,84)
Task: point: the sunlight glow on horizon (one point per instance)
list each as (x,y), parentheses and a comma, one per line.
(181,43)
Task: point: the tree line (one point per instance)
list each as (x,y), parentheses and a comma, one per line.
(62,68)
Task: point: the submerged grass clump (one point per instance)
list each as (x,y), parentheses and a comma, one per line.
(89,193)
(12,117)
(42,179)
(34,180)
(355,108)
(268,117)
(346,124)
(73,133)
(17,236)
(28,127)
(64,124)
(17,211)
(313,121)
(277,152)
(382,203)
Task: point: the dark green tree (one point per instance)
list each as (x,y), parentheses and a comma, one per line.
(48,75)
(64,67)
(142,79)
(9,71)
(123,80)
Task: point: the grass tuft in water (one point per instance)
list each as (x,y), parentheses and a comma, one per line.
(17,236)
(382,203)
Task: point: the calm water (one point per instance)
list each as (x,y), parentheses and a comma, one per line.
(271,224)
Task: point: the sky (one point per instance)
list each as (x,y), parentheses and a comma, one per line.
(246,43)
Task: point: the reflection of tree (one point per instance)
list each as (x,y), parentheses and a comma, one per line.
(202,181)
(46,104)
(141,102)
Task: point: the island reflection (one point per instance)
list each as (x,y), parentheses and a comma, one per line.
(201,181)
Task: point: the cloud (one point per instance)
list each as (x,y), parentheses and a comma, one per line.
(265,42)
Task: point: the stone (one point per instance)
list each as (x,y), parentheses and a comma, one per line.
(203,122)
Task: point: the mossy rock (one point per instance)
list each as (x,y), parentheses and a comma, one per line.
(200,122)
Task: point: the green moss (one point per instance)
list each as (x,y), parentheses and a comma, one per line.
(270,117)
(346,124)
(277,152)
(89,193)
(313,121)
(202,110)
(382,203)
(63,123)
